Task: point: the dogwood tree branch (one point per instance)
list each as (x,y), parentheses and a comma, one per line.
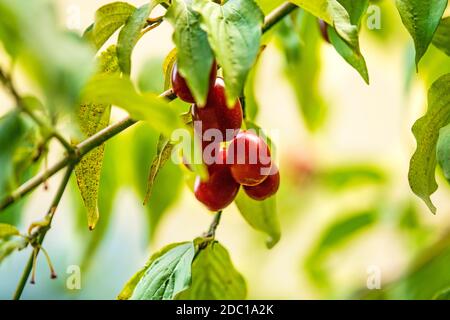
(100,137)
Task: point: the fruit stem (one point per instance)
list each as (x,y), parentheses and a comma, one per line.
(214,224)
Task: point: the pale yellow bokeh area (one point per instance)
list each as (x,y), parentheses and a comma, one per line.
(365,124)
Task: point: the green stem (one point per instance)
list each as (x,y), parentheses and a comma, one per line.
(214,224)
(41,232)
(276,15)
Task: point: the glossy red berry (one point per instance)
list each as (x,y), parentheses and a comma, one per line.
(323,26)
(180,87)
(216,114)
(265,189)
(220,189)
(249,159)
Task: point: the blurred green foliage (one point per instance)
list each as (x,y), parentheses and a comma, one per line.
(310,192)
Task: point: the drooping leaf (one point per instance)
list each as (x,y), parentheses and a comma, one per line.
(336,234)
(214,276)
(168,64)
(120,92)
(166,276)
(443,151)
(441,38)
(162,180)
(342,230)
(194,55)
(131,33)
(131,284)
(163,152)
(7,230)
(251,101)
(421,18)
(234,33)
(318,8)
(112,178)
(426,131)
(92,118)
(108,19)
(57,74)
(344,37)
(300,42)
(261,215)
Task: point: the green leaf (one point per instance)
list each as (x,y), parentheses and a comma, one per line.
(166,180)
(234,33)
(131,284)
(318,8)
(8,247)
(250,97)
(341,230)
(7,230)
(300,42)
(163,152)
(167,275)
(92,118)
(109,89)
(214,277)
(149,77)
(335,235)
(112,179)
(442,295)
(195,57)
(443,151)
(344,37)
(57,63)
(441,39)
(261,215)
(426,131)
(131,33)
(421,18)
(268,5)
(108,19)
(345,176)
(12,131)
(168,64)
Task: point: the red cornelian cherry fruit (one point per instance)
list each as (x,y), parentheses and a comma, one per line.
(249,159)
(220,189)
(265,189)
(180,87)
(216,114)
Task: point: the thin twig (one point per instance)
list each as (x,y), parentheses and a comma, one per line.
(41,232)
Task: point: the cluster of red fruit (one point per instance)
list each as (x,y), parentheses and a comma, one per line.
(245,161)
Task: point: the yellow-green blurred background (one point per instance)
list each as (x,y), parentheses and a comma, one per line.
(354,164)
